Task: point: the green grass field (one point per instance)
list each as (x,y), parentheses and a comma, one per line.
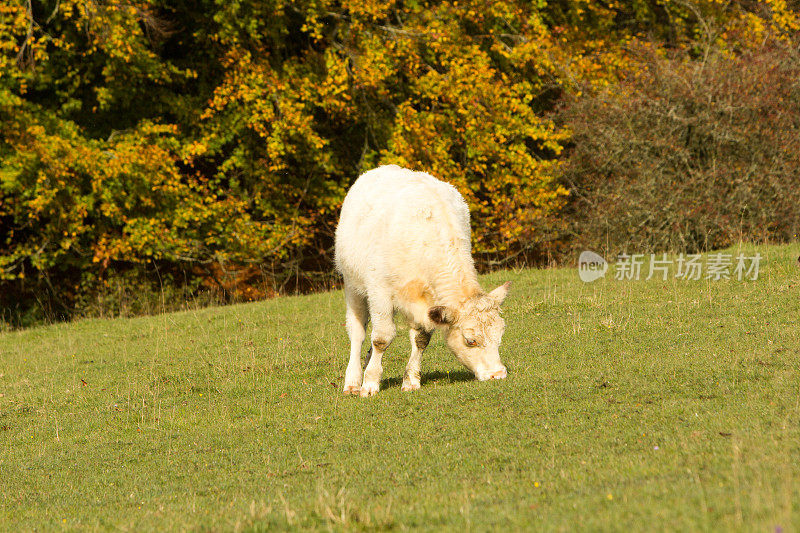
(643,405)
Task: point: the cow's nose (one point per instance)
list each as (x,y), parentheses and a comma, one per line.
(499,374)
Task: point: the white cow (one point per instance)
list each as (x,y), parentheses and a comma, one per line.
(403,243)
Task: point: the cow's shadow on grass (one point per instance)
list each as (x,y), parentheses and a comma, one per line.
(455,376)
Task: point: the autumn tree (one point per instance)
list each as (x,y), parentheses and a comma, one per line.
(217,139)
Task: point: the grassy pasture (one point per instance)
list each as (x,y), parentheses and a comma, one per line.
(643,405)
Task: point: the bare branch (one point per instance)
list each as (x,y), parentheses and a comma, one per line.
(25,47)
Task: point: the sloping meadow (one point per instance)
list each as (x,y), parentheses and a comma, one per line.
(630,404)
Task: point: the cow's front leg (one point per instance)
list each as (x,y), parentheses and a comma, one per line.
(383,331)
(356,323)
(419,340)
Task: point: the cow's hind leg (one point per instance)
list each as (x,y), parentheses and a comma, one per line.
(383,330)
(356,324)
(419,341)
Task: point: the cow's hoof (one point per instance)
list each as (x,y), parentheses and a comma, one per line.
(409,387)
(369,389)
(351,389)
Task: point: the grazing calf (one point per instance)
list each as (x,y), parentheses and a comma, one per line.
(403,243)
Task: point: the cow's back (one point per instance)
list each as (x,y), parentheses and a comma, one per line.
(397,224)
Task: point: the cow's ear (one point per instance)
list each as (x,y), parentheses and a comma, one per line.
(441,315)
(500,293)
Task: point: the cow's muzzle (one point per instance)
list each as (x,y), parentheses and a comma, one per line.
(498,373)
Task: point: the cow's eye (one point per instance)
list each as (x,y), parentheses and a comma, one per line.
(471,342)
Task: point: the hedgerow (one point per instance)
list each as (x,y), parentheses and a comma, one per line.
(211,143)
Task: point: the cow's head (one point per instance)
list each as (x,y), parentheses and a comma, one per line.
(474,331)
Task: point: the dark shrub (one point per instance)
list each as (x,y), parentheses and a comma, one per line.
(688,154)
